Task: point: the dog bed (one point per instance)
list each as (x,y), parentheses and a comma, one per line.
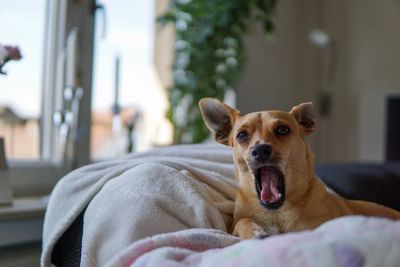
(172,207)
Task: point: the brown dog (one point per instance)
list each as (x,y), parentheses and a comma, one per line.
(278,189)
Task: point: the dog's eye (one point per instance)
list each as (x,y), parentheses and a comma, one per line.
(242,136)
(282,130)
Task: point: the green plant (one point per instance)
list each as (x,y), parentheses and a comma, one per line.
(209,55)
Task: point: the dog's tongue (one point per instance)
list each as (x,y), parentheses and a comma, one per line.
(269,185)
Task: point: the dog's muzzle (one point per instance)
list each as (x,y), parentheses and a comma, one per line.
(269,180)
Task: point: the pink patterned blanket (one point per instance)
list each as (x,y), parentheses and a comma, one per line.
(353,241)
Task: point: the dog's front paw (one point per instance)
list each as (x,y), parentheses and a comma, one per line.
(259,232)
(266,232)
(246,229)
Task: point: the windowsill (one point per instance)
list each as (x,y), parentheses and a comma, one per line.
(33,178)
(22,222)
(24,208)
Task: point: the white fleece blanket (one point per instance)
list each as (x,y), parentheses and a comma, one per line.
(160,191)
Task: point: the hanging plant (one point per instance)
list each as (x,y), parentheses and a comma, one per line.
(209,55)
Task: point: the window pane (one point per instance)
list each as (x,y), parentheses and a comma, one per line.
(22,25)
(128,46)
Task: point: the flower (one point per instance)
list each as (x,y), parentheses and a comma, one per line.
(8,53)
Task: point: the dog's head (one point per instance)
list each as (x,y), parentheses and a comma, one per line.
(269,149)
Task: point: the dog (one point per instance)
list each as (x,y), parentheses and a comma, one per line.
(278,191)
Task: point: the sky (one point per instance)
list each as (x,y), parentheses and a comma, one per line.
(21,87)
(129,34)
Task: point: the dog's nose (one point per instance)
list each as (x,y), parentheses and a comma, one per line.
(261,152)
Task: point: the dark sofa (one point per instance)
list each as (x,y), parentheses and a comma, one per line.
(379,183)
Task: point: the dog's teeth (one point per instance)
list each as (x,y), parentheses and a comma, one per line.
(279,195)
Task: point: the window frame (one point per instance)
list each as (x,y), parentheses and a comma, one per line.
(38,177)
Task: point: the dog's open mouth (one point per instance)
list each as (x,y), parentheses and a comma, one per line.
(270,186)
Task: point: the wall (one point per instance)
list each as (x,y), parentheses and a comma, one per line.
(271,65)
(163,47)
(368,39)
(281,73)
(336,141)
(289,70)
(374,61)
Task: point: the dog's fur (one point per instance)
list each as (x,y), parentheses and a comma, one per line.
(303,201)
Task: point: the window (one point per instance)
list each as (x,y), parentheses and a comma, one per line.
(128,102)
(64,121)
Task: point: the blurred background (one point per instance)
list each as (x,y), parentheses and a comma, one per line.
(342,56)
(101,79)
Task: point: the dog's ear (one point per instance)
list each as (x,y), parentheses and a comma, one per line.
(219,118)
(305,115)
